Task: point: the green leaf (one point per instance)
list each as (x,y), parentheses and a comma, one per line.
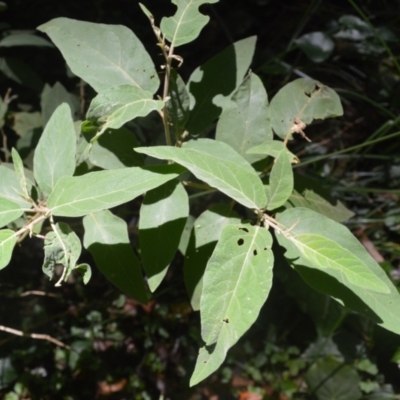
(86,272)
(178,104)
(19,170)
(115,106)
(10,187)
(116,54)
(379,306)
(211,85)
(318,46)
(7,243)
(55,153)
(237,282)
(302,101)
(25,122)
(280,180)
(24,39)
(61,246)
(81,195)
(106,237)
(245,122)
(163,215)
(52,97)
(311,194)
(217,164)
(186,24)
(203,239)
(3,112)
(114,149)
(330,379)
(272,148)
(9,211)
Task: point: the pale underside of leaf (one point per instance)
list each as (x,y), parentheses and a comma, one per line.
(7,242)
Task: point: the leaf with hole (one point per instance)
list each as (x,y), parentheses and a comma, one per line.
(81,195)
(61,247)
(186,24)
(245,122)
(117,57)
(163,215)
(106,237)
(355,279)
(217,164)
(300,102)
(203,239)
(236,284)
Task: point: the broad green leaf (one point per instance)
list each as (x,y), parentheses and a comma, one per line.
(380,307)
(178,104)
(280,180)
(203,239)
(217,164)
(237,282)
(115,106)
(81,195)
(211,85)
(55,153)
(10,187)
(324,253)
(24,39)
(318,46)
(106,237)
(117,57)
(54,96)
(272,148)
(186,24)
(9,211)
(163,215)
(245,121)
(7,243)
(19,170)
(61,246)
(114,149)
(340,381)
(302,101)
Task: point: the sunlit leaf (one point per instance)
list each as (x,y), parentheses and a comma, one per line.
(95,191)
(117,57)
(217,164)
(9,211)
(300,102)
(186,24)
(245,122)
(237,282)
(55,153)
(10,187)
(106,237)
(203,239)
(371,293)
(115,106)
(7,243)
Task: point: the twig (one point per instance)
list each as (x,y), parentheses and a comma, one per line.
(38,293)
(39,336)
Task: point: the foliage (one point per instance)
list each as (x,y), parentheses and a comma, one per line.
(260,220)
